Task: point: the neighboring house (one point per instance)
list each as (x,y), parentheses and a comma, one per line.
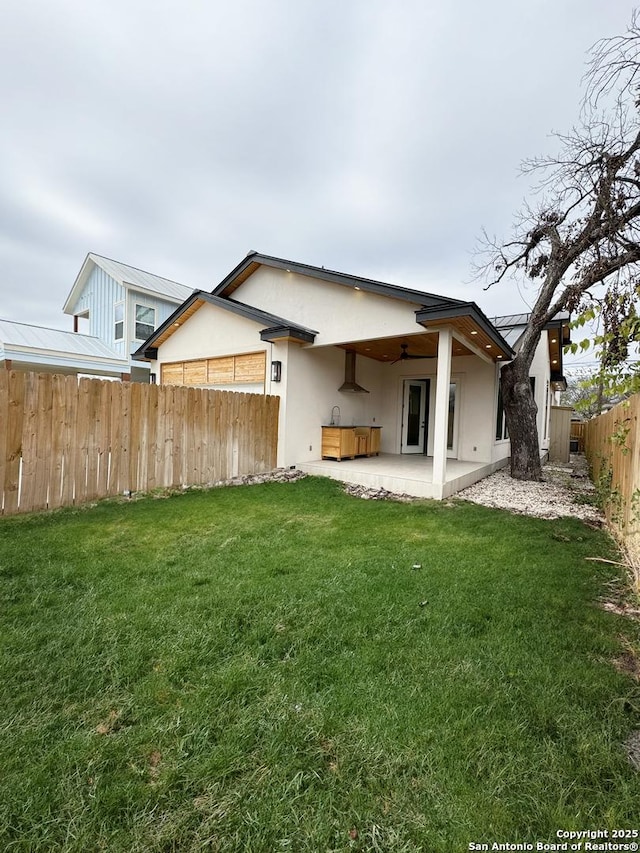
(122,306)
(419,370)
(44,350)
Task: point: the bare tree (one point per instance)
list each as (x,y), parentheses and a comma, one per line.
(583,239)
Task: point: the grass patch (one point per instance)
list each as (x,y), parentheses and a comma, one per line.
(262,669)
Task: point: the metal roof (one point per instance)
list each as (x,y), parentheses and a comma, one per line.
(512,326)
(512,334)
(127,276)
(23,335)
(510,320)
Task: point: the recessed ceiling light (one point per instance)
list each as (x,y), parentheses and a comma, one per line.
(356,287)
(554,340)
(498,356)
(368,349)
(487,346)
(555,361)
(473,332)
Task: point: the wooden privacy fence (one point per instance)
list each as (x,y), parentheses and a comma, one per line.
(577,434)
(65,441)
(612,446)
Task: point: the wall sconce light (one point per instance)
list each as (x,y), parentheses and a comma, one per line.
(276,371)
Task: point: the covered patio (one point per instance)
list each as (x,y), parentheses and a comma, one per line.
(402,474)
(431,393)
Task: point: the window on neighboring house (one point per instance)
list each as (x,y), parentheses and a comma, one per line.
(145,322)
(119,321)
(501,422)
(502,431)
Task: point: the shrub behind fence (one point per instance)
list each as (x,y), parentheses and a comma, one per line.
(65,441)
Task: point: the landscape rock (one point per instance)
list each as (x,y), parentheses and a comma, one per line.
(278,475)
(368,494)
(564,491)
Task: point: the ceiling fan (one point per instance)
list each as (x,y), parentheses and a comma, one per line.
(404,355)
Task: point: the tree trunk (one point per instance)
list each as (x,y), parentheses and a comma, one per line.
(520,412)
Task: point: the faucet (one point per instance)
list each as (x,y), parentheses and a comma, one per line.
(335,419)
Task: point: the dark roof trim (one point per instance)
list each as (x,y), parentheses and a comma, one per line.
(149,352)
(418,297)
(144,350)
(256,314)
(295,332)
(512,321)
(466,309)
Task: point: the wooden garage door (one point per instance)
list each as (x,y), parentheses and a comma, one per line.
(248,368)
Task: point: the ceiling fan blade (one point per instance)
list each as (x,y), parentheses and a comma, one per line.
(404,355)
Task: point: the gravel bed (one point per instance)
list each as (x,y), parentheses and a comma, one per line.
(563,492)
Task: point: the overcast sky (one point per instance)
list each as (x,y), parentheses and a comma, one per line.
(374,137)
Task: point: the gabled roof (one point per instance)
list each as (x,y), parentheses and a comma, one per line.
(512,326)
(274,327)
(254,260)
(471,321)
(127,276)
(466,317)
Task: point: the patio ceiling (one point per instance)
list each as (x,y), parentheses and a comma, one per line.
(559,337)
(389,349)
(425,345)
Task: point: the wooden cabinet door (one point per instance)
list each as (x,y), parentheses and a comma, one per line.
(374,441)
(348,443)
(338,443)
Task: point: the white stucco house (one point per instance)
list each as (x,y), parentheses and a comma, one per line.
(379,385)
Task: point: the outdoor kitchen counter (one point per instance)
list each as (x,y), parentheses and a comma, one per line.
(347,442)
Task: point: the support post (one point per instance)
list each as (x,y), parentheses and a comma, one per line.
(441,420)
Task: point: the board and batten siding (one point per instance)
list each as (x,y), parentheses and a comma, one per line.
(245,371)
(163,310)
(98,297)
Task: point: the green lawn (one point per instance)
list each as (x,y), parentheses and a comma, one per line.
(263,669)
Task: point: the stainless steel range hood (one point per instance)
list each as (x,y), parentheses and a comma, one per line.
(350,383)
